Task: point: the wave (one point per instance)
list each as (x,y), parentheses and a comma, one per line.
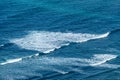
(99,59)
(46,42)
(18,59)
(96,60)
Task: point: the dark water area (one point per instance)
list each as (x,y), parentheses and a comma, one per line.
(59,40)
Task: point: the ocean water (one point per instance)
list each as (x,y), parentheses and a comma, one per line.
(59,39)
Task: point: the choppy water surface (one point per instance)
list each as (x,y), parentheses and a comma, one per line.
(59,40)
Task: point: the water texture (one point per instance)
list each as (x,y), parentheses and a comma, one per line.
(59,40)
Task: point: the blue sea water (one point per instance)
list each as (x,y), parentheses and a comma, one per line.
(59,39)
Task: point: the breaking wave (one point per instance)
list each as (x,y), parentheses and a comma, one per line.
(46,42)
(95,60)
(99,59)
(18,59)
(11,61)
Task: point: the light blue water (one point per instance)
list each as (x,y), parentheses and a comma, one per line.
(59,40)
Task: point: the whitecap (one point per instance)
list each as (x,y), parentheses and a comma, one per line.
(1,45)
(11,61)
(95,60)
(99,59)
(19,59)
(49,41)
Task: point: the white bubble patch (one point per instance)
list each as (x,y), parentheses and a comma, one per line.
(49,41)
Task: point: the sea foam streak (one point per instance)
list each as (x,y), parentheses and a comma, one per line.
(18,59)
(49,41)
(11,61)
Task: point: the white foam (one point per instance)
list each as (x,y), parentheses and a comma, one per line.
(11,61)
(99,59)
(37,54)
(1,45)
(19,59)
(49,41)
(96,60)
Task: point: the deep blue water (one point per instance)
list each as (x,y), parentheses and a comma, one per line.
(59,39)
